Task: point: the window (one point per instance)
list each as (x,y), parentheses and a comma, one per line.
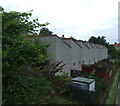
(73,64)
(89,60)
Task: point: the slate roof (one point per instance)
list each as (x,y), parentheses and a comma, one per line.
(63,38)
(70,39)
(49,36)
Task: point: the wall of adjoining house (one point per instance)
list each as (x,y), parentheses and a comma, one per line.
(101,56)
(85,54)
(63,53)
(51,52)
(73,53)
(97,52)
(76,56)
(91,53)
(76,53)
(102,52)
(94,53)
(106,53)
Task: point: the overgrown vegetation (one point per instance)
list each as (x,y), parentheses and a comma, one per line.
(25,80)
(114,55)
(112,51)
(113,90)
(27,77)
(45,31)
(99,40)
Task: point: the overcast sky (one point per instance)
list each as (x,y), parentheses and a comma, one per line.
(78,18)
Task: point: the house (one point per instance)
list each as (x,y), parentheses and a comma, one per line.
(99,52)
(105,52)
(85,52)
(94,52)
(102,52)
(77,55)
(57,51)
(91,52)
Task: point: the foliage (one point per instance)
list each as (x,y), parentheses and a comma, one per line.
(1,9)
(25,89)
(16,23)
(16,50)
(112,51)
(60,100)
(49,71)
(99,40)
(45,31)
(73,38)
(118,63)
(104,86)
(19,56)
(54,99)
(64,75)
(22,82)
(60,84)
(111,98)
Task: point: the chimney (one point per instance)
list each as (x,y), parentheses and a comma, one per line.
(62,36)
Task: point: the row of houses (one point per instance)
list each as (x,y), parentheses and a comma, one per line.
(73,53)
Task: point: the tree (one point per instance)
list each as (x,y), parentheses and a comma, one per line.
(112,51)
(73,38)
(14,25)
(1,9)
(19,56)
(93,39)
(99,40)
(45,31)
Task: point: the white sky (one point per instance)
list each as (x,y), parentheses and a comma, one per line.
(78,18)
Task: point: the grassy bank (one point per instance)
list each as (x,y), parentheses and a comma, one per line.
(113,90)
(119,76)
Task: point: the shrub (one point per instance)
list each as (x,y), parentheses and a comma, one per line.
(18,56)
(25,90)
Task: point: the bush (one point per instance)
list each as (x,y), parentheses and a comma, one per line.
(25,90)
(18,56)
(104,86)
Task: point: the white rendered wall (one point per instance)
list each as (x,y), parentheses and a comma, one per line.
(94,52)
(51,49)
(76,55)
(85,53)
(63,53)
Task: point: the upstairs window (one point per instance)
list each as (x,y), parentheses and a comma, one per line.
(73,64)
(89,60)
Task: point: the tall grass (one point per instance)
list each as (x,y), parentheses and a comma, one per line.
(113,91)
